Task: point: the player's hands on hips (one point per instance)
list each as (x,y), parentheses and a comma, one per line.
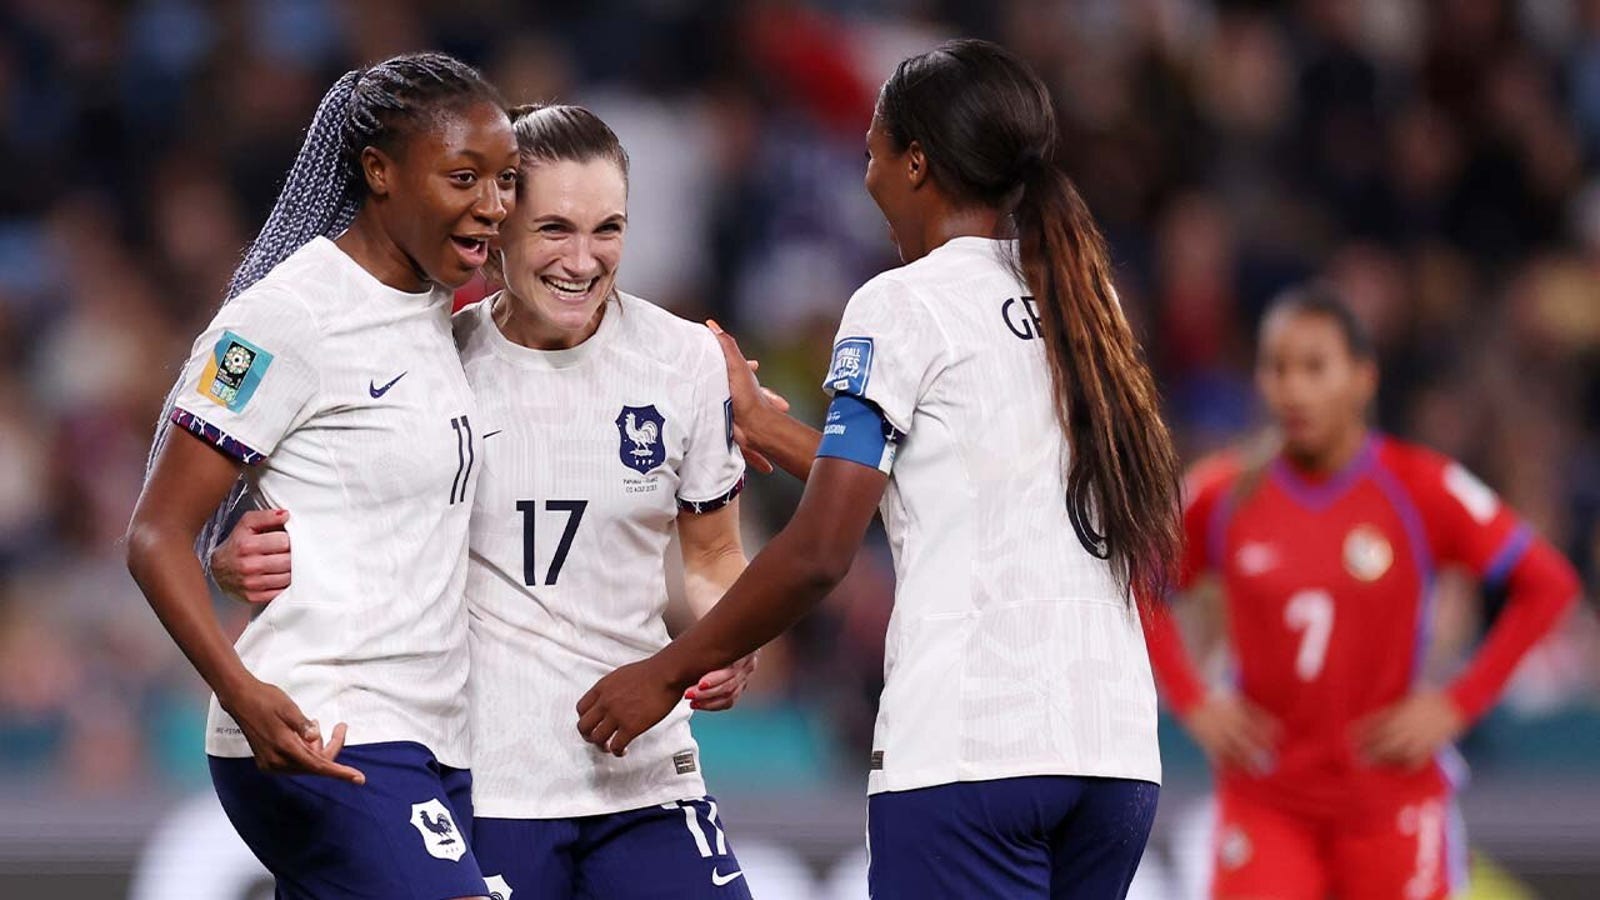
(721,689)
(282,738)
(1410,732)
(1233,732)
(253,562)
(626,704)
(751,401)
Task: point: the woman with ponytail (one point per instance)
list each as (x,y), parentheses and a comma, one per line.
(328,382)
(991,397)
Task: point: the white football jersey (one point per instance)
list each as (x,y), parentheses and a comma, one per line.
(1010,651)
(589,454)
(347,401)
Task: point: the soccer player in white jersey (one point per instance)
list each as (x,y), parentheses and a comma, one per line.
(328,382)
(991,395)
(607,424)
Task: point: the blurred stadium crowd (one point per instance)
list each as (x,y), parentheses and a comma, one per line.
(1438,161)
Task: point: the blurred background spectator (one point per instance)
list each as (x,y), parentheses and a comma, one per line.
(1438,161)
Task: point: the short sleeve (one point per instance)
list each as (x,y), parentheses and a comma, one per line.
(1465,520)
(887,352)
(249,380)
(712,474)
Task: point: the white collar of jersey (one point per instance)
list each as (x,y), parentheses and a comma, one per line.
(371,285)
(549,359)
(972,242)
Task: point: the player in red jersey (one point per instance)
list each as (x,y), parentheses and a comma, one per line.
(1335,766)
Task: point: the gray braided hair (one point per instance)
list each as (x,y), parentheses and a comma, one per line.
(376,107)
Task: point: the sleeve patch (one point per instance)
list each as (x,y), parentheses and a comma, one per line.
(852,365)
(214,436)
(233,372)
(1480,502)
(700,507)
(727,421)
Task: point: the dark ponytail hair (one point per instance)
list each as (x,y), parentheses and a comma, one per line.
(381,107)
(986,125)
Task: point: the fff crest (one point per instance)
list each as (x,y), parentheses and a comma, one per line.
(641,429)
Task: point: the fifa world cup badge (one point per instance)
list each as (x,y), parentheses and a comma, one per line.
(233,372)
(1367,553)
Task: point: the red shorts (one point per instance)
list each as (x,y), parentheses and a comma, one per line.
(1414,850)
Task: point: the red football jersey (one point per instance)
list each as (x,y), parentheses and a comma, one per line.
(1328,586)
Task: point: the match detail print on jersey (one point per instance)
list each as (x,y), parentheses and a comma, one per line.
(234,371)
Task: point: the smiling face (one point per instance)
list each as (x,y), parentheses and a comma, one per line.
(562,247)
(447,191)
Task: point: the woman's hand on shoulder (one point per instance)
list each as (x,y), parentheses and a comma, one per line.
(751,401)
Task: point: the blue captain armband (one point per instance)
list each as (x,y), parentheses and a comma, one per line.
(857,431)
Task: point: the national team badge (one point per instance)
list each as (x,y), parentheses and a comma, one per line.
(1367,554)
(498,889)
(438,830)
(852,364)
(641,429)
(234,371)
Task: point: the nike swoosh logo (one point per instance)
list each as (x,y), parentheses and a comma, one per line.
(719,879)
(493,433)
(376,392)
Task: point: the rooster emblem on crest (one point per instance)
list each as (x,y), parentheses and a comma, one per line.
(640,429)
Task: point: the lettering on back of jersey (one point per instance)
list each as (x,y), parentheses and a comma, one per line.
(641,430)
(1022,318)
(234,371)
(852,365)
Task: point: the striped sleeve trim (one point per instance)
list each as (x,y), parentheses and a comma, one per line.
(715,503)
(215,436)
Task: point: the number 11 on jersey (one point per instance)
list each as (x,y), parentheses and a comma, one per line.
(530,513)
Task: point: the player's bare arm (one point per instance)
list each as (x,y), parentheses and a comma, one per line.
(713,559)
(765,431)
(790,576)
(188,481)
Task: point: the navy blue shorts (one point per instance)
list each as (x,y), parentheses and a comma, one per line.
(675,850)
(1053,836)
(401,836)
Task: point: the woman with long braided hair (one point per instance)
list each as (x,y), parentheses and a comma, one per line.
(329,382)
(992,397)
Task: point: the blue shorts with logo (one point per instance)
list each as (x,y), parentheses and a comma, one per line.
(667,852)
(1054,836)
(401,836)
